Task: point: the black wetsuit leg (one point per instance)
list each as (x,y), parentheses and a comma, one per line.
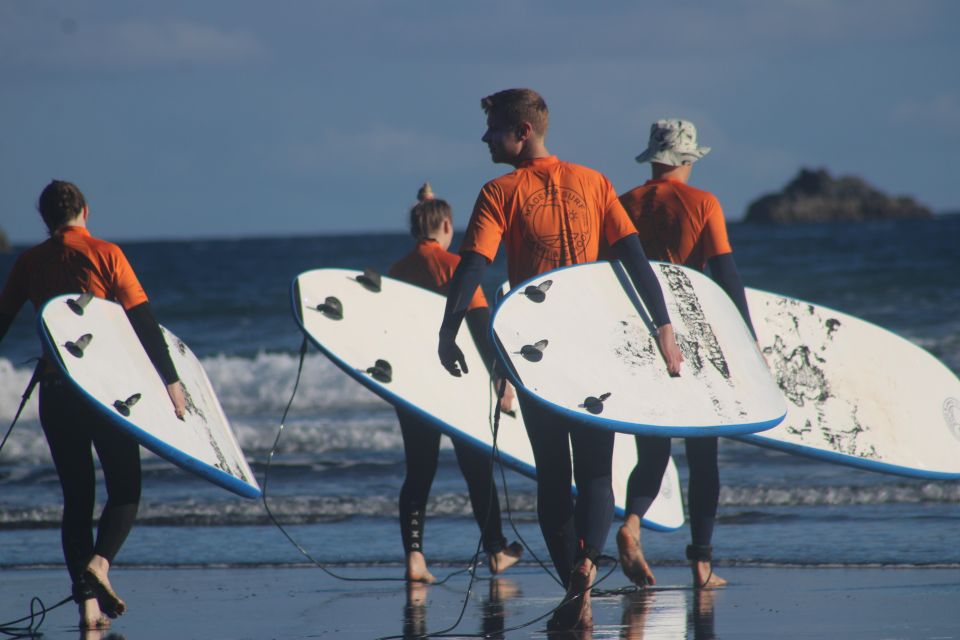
(477,471)
(653,455)
(593,473)
(567,525)
(421,450)
(71,427)
(703,493)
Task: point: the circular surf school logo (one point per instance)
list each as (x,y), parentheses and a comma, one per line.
(951,415)
(557,225)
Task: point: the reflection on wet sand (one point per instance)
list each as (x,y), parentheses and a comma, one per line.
(97,634)
(491,608)
(663,614)
(415,610)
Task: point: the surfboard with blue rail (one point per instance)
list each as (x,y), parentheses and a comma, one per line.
(93,344)
(858,394)
(383,333)
(582,344)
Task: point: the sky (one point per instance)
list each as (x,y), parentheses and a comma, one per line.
(235,118)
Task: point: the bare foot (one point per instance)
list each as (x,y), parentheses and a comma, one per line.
(704,577)
(505,558)
(96,575)
(577,612)
(417,568)
(632,562)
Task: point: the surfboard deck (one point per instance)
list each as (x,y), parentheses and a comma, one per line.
(397,324)
(580,341)
(857,394)
(100,354)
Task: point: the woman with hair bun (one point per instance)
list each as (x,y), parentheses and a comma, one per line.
(430,265)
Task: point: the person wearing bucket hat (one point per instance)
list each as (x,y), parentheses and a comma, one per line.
(680,224)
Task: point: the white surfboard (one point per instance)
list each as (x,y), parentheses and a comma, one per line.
(857,394)
(581,342)
(93,343)
(383,333)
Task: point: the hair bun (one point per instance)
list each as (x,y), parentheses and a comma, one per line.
(425,192)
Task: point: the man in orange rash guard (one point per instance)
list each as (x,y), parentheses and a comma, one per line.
(430,266)
(680,224)
(73,261)
(549,214)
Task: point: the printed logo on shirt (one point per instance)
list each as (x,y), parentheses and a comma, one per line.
(556,225)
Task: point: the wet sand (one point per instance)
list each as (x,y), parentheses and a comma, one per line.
(271,602)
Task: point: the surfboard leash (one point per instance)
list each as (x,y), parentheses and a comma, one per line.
(31,630)
(34,379)
(304,347)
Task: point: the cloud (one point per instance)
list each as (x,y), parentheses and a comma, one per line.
(940,114)
(378,150)
(133,44)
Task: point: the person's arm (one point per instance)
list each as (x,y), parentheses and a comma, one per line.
(151,337)
(478,321)
(631,254)
(723,268)
(464,283)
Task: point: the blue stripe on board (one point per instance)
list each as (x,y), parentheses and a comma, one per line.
(635,428)
(846,460)
(164,450)
(398,401)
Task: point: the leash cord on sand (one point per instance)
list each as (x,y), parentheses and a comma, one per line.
(471,568)
(495,458)
(306,554)
(495,425)
(32,630)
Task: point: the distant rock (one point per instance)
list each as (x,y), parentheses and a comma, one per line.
(815,196)
(4,243)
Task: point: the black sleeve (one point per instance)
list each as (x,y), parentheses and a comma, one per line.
(723,268)
(478,321)
(147,329)
(463,285)
(631,254)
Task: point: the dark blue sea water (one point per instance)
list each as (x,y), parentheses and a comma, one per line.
(339,464)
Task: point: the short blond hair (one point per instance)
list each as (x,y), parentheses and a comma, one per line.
(516,106)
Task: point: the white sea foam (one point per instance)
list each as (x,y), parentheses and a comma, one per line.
(329,412)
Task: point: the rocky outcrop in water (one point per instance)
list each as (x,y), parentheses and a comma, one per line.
(815,196)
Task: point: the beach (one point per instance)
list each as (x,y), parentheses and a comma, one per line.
(812,549)
(303,602)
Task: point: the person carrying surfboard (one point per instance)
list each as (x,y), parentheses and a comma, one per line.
(73,261)
(430,265)
(550,213)
(680,224)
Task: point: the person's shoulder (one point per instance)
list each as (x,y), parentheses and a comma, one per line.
(582,170)
(701,194)
(635,192)
(34,253)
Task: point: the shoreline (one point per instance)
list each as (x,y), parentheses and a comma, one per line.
(302,602)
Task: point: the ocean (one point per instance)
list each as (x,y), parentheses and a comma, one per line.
(339,463)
